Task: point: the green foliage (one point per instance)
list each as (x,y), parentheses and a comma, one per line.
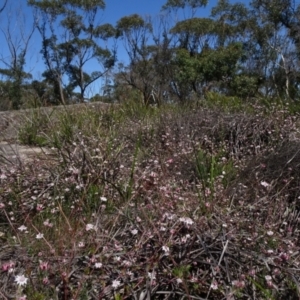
(182,271)
(31,131)
(69,56)
(226,103)
(210,167)
(173,4)
(130,23)
(244,86)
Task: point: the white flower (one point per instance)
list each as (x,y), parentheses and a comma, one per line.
(270,232)
(104,199)
(214,285)
(268,278)
(127,263)
(39,236)
(134,231)
(179,280)
(90,227)
(98,265)
(3,176)
(264,183)
(166,249)
(21,280)
(22,228)
(151,275)
(116,284)
(81,244)
(186,220)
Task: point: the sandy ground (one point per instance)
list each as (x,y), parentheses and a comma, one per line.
(11,121)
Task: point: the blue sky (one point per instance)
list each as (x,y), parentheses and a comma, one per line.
(115,9)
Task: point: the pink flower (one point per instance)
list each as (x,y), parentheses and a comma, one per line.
(238,283)
(39,207)
(7,266)
(46,280)
(284,256)
(44,265)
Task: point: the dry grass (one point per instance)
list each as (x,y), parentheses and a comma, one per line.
(165,203)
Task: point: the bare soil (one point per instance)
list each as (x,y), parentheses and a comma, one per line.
(11,151)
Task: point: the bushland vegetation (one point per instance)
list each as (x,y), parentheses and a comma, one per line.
(187,188)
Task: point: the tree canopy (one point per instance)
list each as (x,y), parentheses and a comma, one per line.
(238,50)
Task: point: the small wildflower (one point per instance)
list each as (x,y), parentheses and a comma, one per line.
(3,176)
(44,265)
(134,231)
(22,228)
(7,266)
(98,265)
(21,280)
(186,220)
(104,199)
(90,227)
(179,280)
(284,256)
(127,263)
(270,233)
(276,271)
(116,284)
(47,223)
(39,207)
(151,275)
(264,183)
(45,280)
(270,284)
(238,283)
(39,236)
(268,278)
(2,205)
(214,285)
(81,244)
(166,249)
(24,297)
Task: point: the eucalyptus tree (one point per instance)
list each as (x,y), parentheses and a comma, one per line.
(202,62)
(162,52)
(135,33)
(71,36)
(236,23)
(278,25)
(188,7)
